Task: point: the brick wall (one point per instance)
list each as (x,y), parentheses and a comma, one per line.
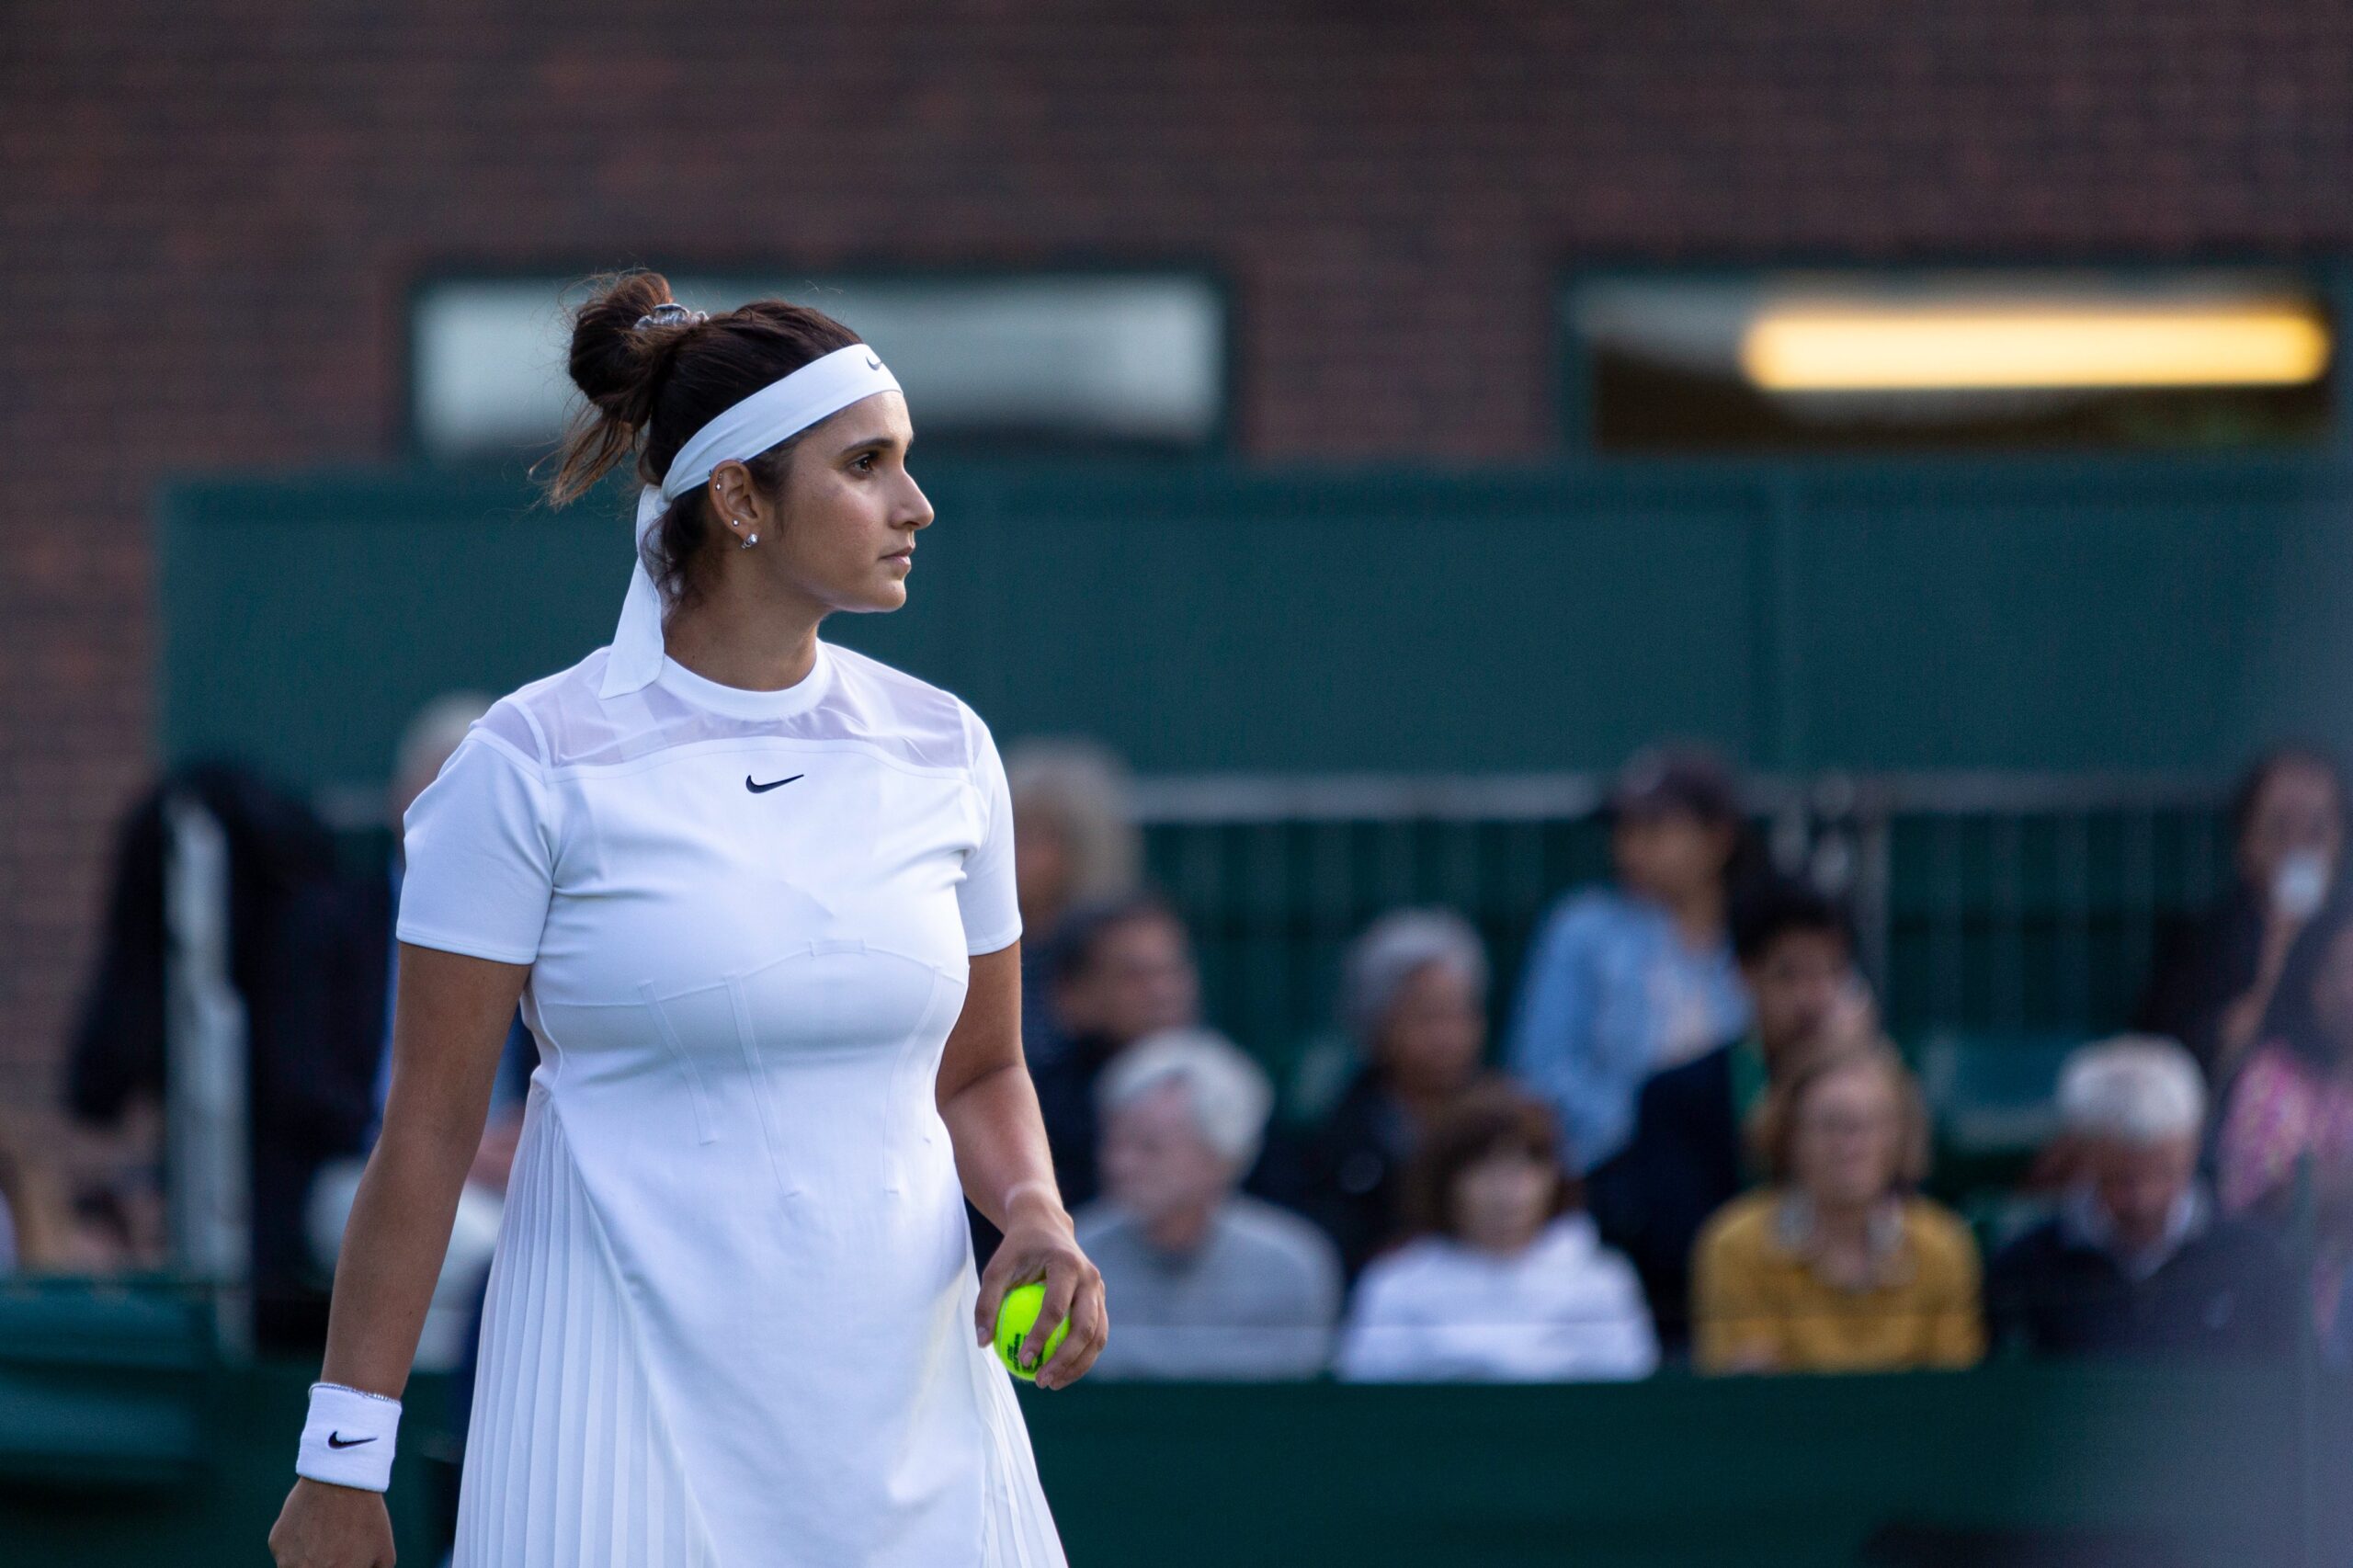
(209,214)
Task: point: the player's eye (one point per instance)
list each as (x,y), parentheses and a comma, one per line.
(865,463)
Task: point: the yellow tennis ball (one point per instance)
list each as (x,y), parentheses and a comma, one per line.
(1016,1316)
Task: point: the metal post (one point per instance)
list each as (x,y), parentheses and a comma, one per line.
(208,1169)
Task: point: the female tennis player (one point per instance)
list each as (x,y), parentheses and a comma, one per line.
(755,895)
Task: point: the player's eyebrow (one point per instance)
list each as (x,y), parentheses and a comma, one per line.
(875,440)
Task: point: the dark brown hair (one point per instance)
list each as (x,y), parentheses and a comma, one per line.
(1775,1130)
(651,386)
(1492,1116)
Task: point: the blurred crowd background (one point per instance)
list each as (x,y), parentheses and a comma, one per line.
(1673,674)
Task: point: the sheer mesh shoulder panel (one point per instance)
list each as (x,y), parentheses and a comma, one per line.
(868,703)
(506,721)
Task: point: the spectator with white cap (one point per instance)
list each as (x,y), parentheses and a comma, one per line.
(1210,1284)
(2136,1262)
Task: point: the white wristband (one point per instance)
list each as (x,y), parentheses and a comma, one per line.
(348,1438)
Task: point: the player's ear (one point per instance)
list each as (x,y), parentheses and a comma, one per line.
(736,504)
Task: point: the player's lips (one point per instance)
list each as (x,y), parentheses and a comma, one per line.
(903,557)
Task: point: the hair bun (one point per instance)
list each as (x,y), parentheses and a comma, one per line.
(635,349)
(620,351)
(614,357)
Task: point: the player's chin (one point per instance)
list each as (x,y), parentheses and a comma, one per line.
(880,594)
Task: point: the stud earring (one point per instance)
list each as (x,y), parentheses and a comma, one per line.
(749,540)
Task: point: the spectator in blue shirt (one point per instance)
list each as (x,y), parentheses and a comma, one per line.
(1627,980)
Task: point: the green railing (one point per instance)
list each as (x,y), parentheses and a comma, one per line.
(1987,905)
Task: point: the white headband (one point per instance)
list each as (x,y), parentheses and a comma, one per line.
(822,387)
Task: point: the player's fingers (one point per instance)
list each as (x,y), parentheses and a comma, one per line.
(1088,1317)
(1078,1358)
(1061,1285)
(1008,1266)
(995,1280)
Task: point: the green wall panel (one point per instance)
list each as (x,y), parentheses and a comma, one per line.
(2046,617)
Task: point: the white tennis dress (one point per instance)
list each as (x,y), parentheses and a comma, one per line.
(730,1321)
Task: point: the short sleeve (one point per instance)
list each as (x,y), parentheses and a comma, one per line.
(986,897)
(479,844)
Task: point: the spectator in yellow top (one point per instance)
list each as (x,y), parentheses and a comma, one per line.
(1837,1267)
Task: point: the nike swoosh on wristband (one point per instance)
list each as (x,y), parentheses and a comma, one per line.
(337,1440)
(764,788)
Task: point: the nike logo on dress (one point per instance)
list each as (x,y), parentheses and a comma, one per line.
(337,1440)
(764,788)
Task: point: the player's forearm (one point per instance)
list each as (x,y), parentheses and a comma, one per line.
(393,1250)
(1000,1143)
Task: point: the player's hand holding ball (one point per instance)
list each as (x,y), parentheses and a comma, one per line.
(1067,1322)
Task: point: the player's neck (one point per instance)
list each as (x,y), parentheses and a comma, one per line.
(737,645)
(1699,916)
(1180,1233)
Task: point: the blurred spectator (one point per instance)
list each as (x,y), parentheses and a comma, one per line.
(372,908)
(1210,1284)
(1623,982)
(1117,971)
(39,1233)
(2214,982)
(1075,842)
(1836,1268)
(1691,1153)
(2293,1098)
(1508,1282)
(1414,1000)
(2136,1262)
(309,1040)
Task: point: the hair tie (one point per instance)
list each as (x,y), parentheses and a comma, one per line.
(670,313)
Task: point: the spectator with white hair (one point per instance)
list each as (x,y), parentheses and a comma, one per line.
(1075,845)
(1079,842)
(1413,1003)
(2137,1262)
(1208,1284)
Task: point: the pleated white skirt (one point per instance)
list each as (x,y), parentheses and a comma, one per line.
(574,1457)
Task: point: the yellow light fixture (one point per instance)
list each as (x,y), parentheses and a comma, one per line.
(1895,347)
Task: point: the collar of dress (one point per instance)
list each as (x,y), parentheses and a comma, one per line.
(1797,1229)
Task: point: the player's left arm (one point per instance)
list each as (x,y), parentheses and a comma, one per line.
(990,1109)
